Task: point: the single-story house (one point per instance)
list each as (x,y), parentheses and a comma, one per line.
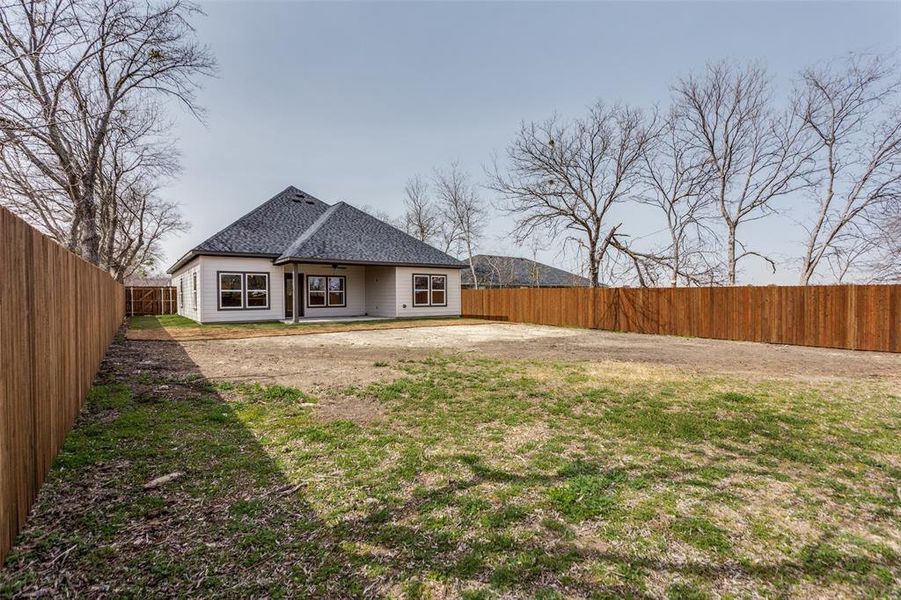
(340,261)
(495,271)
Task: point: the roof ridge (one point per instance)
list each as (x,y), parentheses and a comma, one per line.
(312,229)
(253,212)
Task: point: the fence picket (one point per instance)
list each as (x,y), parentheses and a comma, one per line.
(864,317)
(58,315)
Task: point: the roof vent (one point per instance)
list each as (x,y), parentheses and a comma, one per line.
(299,196)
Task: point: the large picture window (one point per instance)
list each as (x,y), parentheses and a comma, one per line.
(429,290)
(243,291)
(326,290)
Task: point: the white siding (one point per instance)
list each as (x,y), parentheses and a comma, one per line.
(209,289)
(375,291)
(381,292)
(404,287)
(184,279)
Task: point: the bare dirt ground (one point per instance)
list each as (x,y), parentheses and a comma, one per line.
(331,360)
(226,331)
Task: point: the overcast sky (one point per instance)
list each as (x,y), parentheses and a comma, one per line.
(348,100)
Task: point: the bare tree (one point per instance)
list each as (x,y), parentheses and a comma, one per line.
(463,214)
(136,161)
(67,69)
(501,271)
(449,235)
(677,182)
(756,156)
(427,218)
(871,254)
(535,245)
(421,218)
(566,178)
(886,265)
(848,110)
(33,196)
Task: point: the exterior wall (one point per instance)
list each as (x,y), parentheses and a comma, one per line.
(374,291)
(381,292)
(404,288)
(354,294)
(209,286)
(184,279)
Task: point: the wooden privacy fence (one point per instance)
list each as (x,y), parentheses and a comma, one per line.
(858,317)
(58,315)
(140,300)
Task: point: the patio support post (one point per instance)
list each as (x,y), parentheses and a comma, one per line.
(296,295)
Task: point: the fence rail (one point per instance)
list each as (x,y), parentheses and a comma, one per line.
(857,317)
(58,315)
(145,300)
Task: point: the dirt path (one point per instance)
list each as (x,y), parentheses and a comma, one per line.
(331,360)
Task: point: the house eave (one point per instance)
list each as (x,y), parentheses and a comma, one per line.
(283,260)
(187,258)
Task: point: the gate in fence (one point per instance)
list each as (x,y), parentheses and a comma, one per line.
(141,300)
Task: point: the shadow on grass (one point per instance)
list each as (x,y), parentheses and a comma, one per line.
(232,523)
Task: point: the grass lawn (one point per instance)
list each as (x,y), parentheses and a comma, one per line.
(479,479)
(176,327)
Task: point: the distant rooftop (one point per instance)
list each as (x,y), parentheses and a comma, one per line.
(513,271)
(152,281)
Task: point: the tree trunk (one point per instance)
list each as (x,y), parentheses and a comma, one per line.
(730,243)
(594,269)
(472,267)
(90,241)
(74,241)
(674,276)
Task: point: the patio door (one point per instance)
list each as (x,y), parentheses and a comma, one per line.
(289,295)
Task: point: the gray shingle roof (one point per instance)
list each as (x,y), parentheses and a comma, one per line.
(269,228)
(293,225)
(347,234)
(512,271)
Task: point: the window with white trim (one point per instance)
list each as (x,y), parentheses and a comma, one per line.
(181,293)
(243,291)
(257,290)
(438,294)
(429,290)
(231,290)
(326,291)
(194,288)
